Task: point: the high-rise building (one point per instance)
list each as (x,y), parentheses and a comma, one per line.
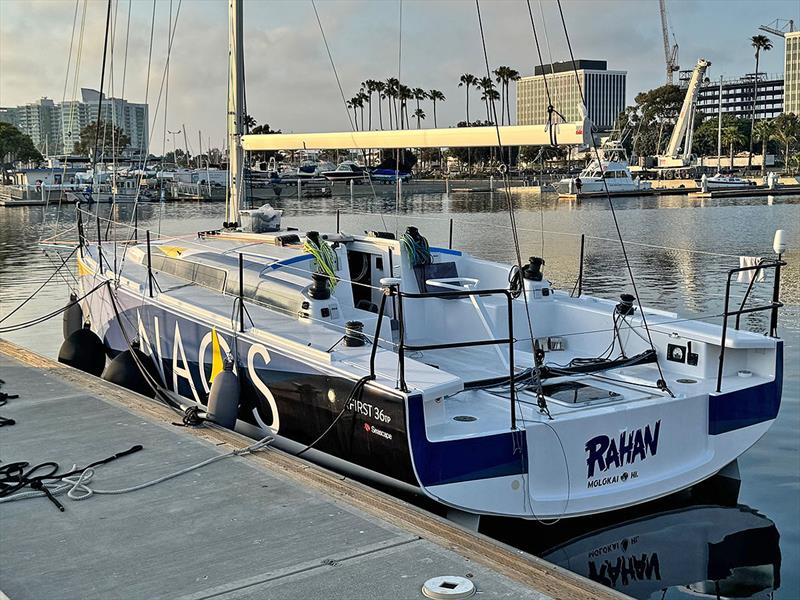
(36,119)
(603,90)
(737,96)
(55,127)
(791,73)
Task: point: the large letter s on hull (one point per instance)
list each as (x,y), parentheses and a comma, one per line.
(258,349)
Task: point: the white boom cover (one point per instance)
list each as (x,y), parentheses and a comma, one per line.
(568,134)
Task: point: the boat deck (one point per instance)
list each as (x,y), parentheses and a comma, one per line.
(264,525)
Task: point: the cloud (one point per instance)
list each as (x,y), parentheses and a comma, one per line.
(290,83)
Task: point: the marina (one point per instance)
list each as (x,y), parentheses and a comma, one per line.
(359,349)
(478,218)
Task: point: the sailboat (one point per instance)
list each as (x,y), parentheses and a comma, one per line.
(475,383)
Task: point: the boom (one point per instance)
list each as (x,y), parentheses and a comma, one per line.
(670,53)
(568,134)
(683,127)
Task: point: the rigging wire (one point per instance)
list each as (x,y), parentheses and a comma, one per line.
(547,43)
(397,184)
(550,111)
(42,318)
(125,59)
(164,135)
(41,287)
(102,82)
(513,221)
(149,140)
(662,381)
(78,54)
(344,100)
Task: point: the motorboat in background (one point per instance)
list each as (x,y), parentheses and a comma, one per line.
(347,171)
(389,175)
(611,171)
(722,181)
(394,168)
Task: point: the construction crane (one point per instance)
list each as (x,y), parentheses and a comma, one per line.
(778,27)
(670,52)
(679,150)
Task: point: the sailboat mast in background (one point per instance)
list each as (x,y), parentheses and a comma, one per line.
(235,114)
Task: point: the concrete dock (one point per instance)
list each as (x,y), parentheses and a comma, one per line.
(261,525)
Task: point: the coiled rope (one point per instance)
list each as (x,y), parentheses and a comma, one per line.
(419,251)
(324,257)
(75,483)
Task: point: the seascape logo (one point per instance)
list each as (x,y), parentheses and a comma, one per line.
(604,452)
(379,432)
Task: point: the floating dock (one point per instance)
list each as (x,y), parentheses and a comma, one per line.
(260,525)
(693,192)
(749,192)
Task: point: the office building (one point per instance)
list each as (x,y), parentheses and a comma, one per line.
(55,127)
(791,73)
(603,90)
(737,96)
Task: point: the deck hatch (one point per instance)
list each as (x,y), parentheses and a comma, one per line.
(574,392)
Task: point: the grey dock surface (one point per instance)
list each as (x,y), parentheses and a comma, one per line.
(263,525)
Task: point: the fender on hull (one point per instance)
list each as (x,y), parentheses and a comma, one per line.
(280,393)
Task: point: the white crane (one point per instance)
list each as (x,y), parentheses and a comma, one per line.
(670,52)
(681,138)
(778,27)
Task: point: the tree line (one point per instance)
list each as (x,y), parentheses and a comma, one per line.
(392,98)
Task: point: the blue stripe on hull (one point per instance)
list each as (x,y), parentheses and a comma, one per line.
(467,459)
(750,406)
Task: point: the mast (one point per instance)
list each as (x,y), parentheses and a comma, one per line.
(235,116)
(719,129)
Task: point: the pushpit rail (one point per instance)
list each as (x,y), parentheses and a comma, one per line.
(772,306)
(393,289)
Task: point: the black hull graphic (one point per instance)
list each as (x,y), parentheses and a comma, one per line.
(371,432)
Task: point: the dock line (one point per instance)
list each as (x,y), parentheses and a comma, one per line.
(75,482)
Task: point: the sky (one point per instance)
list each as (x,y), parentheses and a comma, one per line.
(290,82)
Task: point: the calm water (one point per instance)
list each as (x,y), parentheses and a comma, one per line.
(665,550)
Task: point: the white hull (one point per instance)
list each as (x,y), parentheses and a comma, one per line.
(440,429)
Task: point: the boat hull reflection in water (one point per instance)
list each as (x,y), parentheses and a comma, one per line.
(703,551)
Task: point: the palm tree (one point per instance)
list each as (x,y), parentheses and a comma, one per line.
(759,42)
(419,94)
(249,122)
(420,114)
(731,136)
(502,75)
(404,94)
(467,80)
(353,104)
(392,88)
(764,131)
(513,75)
(379,87)
(436,96)
(367,90)
(487,85)
(362,97)
(785,133)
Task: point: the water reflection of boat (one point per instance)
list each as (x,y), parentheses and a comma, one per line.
(705,551)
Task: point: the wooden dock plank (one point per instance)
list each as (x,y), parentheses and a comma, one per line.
(264,525)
